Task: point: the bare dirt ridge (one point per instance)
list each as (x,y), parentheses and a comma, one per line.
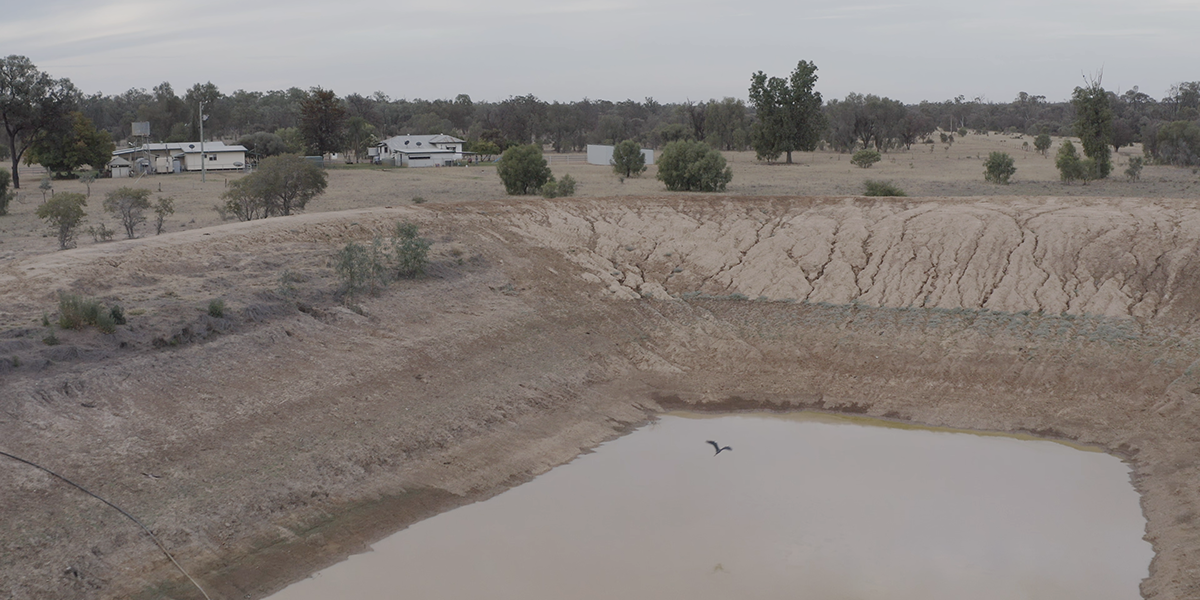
(271,441)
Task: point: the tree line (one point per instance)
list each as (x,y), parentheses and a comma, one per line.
(784,115)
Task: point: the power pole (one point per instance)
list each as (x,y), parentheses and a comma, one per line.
(203,157)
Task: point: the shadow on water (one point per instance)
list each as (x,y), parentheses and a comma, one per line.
(805,505)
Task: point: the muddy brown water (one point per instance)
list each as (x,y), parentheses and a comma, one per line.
(804,506)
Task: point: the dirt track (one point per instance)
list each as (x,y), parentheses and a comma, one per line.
(264,444)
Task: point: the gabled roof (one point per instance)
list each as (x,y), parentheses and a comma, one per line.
(184,147)
(418,143)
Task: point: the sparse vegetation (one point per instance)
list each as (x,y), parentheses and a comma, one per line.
(64,214)
(128,204)
(101,233)
(687,165)
(162,208)
(1133,171)
(559,189)
(216,308)
(881,188)
(865,158)
(77,312)
(367,269)
(999,168)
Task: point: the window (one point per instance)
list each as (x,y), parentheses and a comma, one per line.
(212,157)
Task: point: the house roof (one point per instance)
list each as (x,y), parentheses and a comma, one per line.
(184,147)
(117,161)
(418,143)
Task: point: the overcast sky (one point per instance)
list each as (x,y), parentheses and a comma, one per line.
(671,50)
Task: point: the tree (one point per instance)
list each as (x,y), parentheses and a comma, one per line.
(865,158)
(523,170)
(360,135)
(688,165)
(1042,143)
(63,213)
(67,148)
(1070,167)
(485,149)
(162,208)
(1175,143)
(5,194)
(628,160)
(31,104)
(998,167)
(261,144)
(128,204)
(281,184)
(1094,124)
(789,113)
(322,121)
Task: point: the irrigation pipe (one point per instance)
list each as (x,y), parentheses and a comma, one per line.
(120,510)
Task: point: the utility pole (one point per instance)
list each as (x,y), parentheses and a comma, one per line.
(203,156)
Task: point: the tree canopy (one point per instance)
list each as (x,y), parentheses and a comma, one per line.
(279,186)
(628,160)
(523,170)
(688,165)
(31,105)
(65,149)
(1094,125)
(322,121)
(789,112)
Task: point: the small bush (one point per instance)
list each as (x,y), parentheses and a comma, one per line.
(998,168)
(50,339)
(101,233)
(865,158)
(1070,167)
(881,188)
(118,314)
(410,251)
(1134,170)
(687,165)
(5,194)
(216,308)
(354,269)
(77,312)
(418,200)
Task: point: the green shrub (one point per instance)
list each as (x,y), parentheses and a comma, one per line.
(998,168)
(687,165)
(77,312)
(865,158)
(63,213)
(101,233)
(628,160)
(881,188)
(1134,170)
(366,269)
(1042,143)
(410,251)
(523,170)
(118,314)
(1070,167)
(50,339)
(216,308)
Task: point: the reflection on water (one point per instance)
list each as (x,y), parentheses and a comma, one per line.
(811,507)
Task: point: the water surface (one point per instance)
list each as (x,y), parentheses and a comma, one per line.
(804,506)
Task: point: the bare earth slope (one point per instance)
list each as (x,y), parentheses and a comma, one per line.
(265,443)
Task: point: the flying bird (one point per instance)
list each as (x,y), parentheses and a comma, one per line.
(718,447)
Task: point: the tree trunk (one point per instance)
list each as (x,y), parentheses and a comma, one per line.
(789,157)
(16,160)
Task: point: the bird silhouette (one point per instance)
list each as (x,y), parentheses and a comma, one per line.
(718,447)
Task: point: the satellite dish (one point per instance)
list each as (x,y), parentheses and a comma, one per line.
(237,164)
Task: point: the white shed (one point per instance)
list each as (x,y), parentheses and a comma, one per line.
(119,167)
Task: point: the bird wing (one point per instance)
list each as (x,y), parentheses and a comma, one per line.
(715,446)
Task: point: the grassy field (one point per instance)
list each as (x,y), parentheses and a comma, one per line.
(924,171)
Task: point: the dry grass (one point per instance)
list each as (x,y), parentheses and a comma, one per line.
(923,171)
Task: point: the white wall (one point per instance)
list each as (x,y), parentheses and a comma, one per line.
(602,155)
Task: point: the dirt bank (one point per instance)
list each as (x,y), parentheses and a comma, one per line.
(267,442)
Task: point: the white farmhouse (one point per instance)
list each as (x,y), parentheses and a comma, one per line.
(420,150)
(176,157)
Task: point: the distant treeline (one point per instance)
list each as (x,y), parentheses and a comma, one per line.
(855,121)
